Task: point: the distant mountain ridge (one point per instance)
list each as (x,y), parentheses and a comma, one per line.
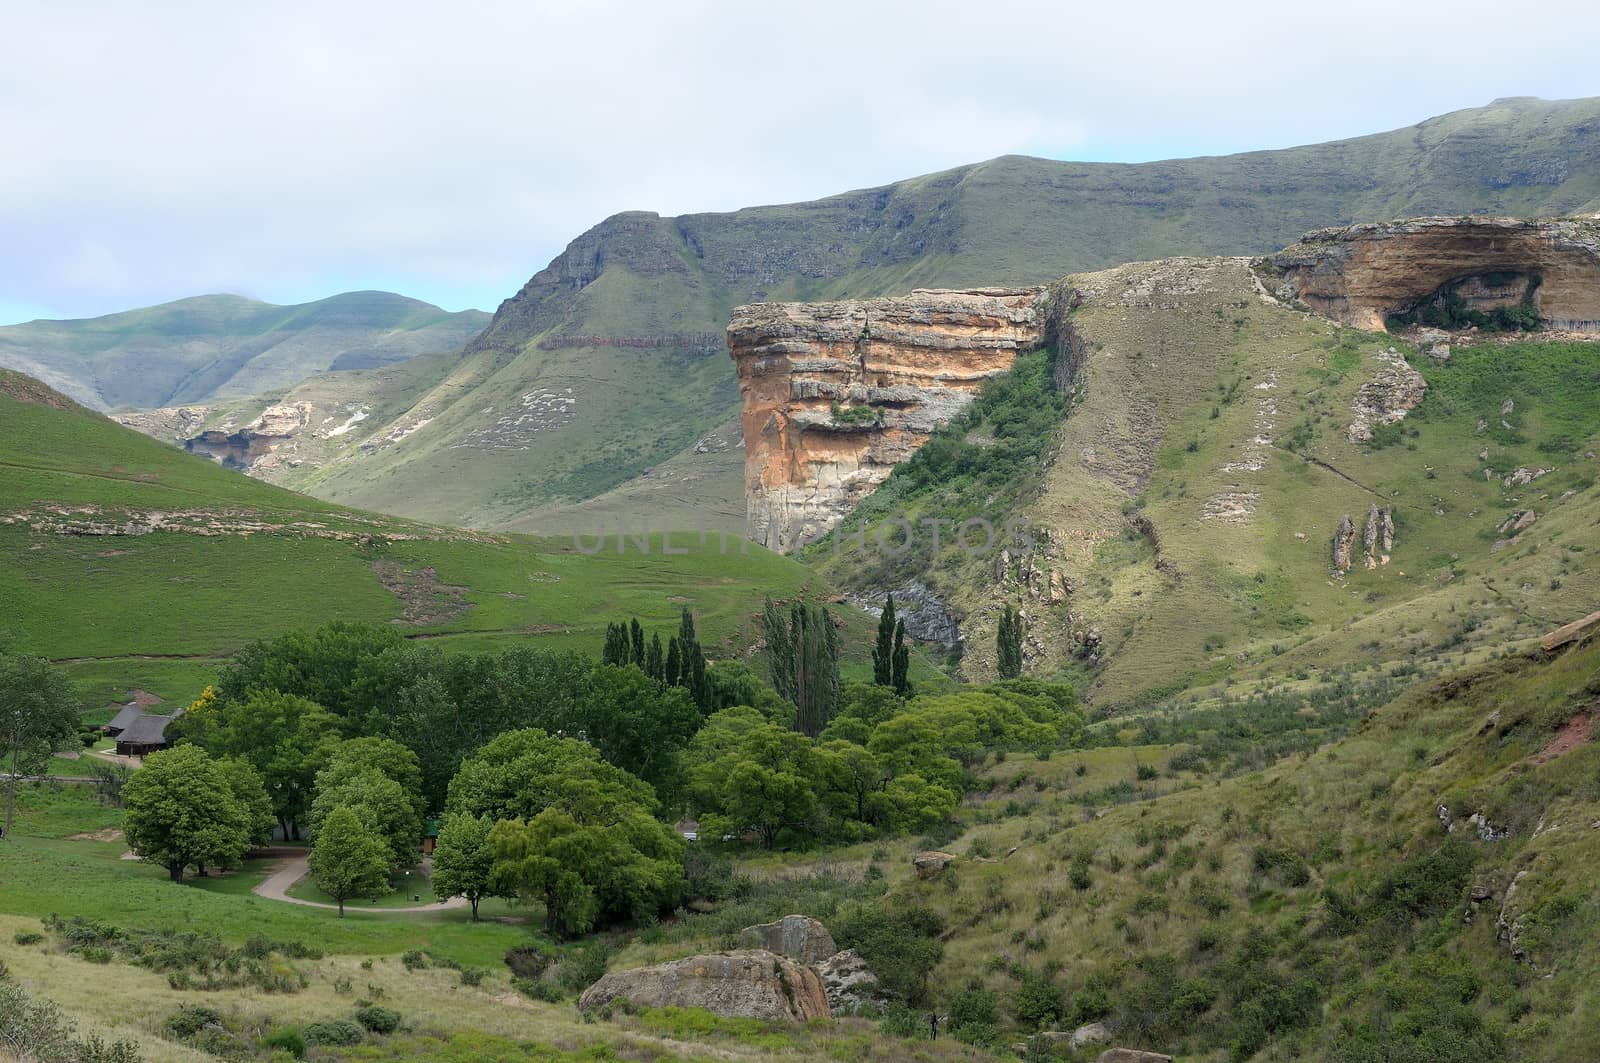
(592,393)
(227,346)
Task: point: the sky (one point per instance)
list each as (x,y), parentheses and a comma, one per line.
(448,151)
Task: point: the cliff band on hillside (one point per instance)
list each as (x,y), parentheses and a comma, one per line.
(837,394)
(1361,274)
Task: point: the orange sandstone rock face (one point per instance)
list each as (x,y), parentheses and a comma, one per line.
(837,394)
(1359,274)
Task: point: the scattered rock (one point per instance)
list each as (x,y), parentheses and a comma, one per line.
(1394,391)
(799,937)
(1131,1055)
(930,863)
(1344,542)
(849,982)
(1491,722)
(1095,1033)
(1506,407)
(745,984)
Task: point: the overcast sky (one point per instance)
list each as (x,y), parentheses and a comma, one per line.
(155,150)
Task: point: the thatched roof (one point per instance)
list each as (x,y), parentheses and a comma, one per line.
(146,731)
(126,715)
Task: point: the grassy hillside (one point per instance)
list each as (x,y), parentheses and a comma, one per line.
(630,316)
(137,565)
(226,346)
(1190,496)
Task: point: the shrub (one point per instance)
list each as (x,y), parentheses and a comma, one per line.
(28,937)
(1039,1001)
(974,1015)
(901,1021)
(288,1040)
(333,1032)
(471,976)
(527,961)
(901,948)
(581,969)
(414,960)
(378,1019)
(190,1019)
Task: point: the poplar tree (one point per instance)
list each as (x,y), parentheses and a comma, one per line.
(636,638)
(900,673)
(883,652)
(1008,644)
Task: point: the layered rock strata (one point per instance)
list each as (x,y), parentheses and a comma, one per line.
(746,984)
(837,394)
(1360,274)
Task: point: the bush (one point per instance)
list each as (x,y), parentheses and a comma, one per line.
(288,1041)
(527,961)
(190,1019)
(974,1015)
(333,1032)
(1039,1001)
(901,948)
(471,976)
(378,1019)
(583,968)
(901,1021)
(414,960)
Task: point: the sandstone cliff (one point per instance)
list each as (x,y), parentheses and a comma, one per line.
(1360,274)
(837,394)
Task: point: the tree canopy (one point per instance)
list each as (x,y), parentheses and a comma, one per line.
(182,811)
(38,715)
(349,860)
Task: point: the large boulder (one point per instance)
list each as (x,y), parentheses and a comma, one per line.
(745,984)
(1131,1055)
(849,982)
(930,863)
(799,937)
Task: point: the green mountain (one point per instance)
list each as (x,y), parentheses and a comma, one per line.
(227,346)
(603,384)
(132,563)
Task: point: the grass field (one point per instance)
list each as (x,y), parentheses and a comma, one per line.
(87,583)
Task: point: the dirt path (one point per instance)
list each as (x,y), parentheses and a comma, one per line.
(275,887)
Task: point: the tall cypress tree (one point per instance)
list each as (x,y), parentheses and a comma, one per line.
(779,650)
(686,627)
(1008,644)
(883,651)
(616,647)
(655,662)
(674,663)
(636,637)
(900,672)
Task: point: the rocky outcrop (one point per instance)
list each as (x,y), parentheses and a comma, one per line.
(927,618)
(931,863)
(746,984)
(1361,274)
(798,937)
(255,442)
(1394,390)
(1344,544)
(849,982)
(1131,1055)
(837,394)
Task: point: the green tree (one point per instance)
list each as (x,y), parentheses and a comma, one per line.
(674,662)
(1008,644)
(900,671)
(636,643)
(636,723)
(38,715)
(181,811)
(377,800)
(284,737)
(883,651)
(584,872)
(324,665)
(245,784)
(802,654)
(655,661)
(750,774)
(385,756)
(349,860)
(463,860)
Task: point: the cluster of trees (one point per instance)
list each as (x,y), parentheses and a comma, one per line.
(552,775)
(891,656)
(883,764)
(683,664)
(802,653)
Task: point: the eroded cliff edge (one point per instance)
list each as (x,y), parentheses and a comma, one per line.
(837,394)
(1361,275)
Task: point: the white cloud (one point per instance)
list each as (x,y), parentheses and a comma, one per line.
(292,150)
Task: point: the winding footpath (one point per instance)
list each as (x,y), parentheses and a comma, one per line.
(275,887)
